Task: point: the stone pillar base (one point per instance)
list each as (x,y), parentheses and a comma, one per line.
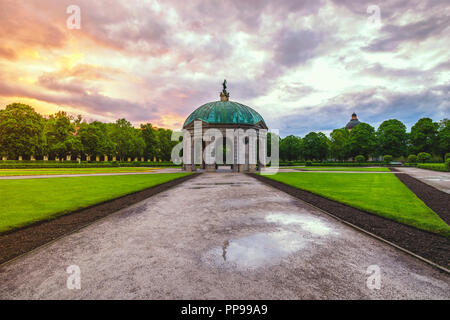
(252,168)
(235,168)
(187,167)
(210,168)
(241,167)
(261,167)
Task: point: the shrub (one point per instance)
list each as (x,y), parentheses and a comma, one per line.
(447,156)
(423,156)
(308,163)
(412,158)
(447,164)
(360,159)
(435,166)
(387,158)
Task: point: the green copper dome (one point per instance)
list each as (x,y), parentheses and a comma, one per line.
(225,112)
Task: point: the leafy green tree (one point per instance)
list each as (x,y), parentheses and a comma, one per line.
(61,136)
(165,144)
(443,135)
(151,140)
(361,141)
(290,148)
(424,136)
(123,135)
(387,158)
(412,158)
(21,131)
(423,156)
(315,146)
(391,135)
(95,139)
(360,158)
(338,140)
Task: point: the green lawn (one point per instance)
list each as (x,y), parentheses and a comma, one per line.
(378,169)
(50,171)
(26,201)
(382,194)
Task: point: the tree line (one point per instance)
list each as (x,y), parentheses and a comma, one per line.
(26,133)
(391,138)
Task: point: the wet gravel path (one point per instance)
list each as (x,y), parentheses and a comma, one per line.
(221,236)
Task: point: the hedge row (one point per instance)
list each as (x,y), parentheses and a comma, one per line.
(433,166)
(72,164)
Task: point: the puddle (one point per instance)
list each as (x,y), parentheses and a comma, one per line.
(258,250)
(307,223)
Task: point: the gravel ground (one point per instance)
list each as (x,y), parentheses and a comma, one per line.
(221,236)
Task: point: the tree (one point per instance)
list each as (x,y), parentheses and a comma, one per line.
(361,141)
(61,137)
(290,148)
(412,158)
(126,139)
(360,158)
(95,139)
(424,136)
(315,146)
(387,158)
(338,140)
(21,131)
(443,136)
(391,135)
(423,156)
(151,140)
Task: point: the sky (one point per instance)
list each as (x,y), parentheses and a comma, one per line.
(303,65)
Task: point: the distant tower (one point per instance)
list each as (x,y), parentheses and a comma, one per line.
(353,122)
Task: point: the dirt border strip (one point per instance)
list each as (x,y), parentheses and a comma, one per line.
(18,242)
(437,200)
(428,247)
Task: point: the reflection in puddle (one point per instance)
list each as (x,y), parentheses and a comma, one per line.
(254,251)
(307,223)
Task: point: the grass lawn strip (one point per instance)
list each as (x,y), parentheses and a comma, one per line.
(382,194)
(378,169)
(31,172)
(30,200)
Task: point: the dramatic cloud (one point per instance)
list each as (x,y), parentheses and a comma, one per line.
(304,65)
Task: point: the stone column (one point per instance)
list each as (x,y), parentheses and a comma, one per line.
(20,158)
(68,158)
(56,158)
(129,159)
(262,138)
(192,150)
(105,158)
(88,158)
(114,158)
(4,158)
(45,158)
(32,158)
(186,152)
(97,158)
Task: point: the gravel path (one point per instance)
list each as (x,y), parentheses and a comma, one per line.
(221,236)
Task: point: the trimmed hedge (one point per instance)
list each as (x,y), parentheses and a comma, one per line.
(73,164)
(433,166)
